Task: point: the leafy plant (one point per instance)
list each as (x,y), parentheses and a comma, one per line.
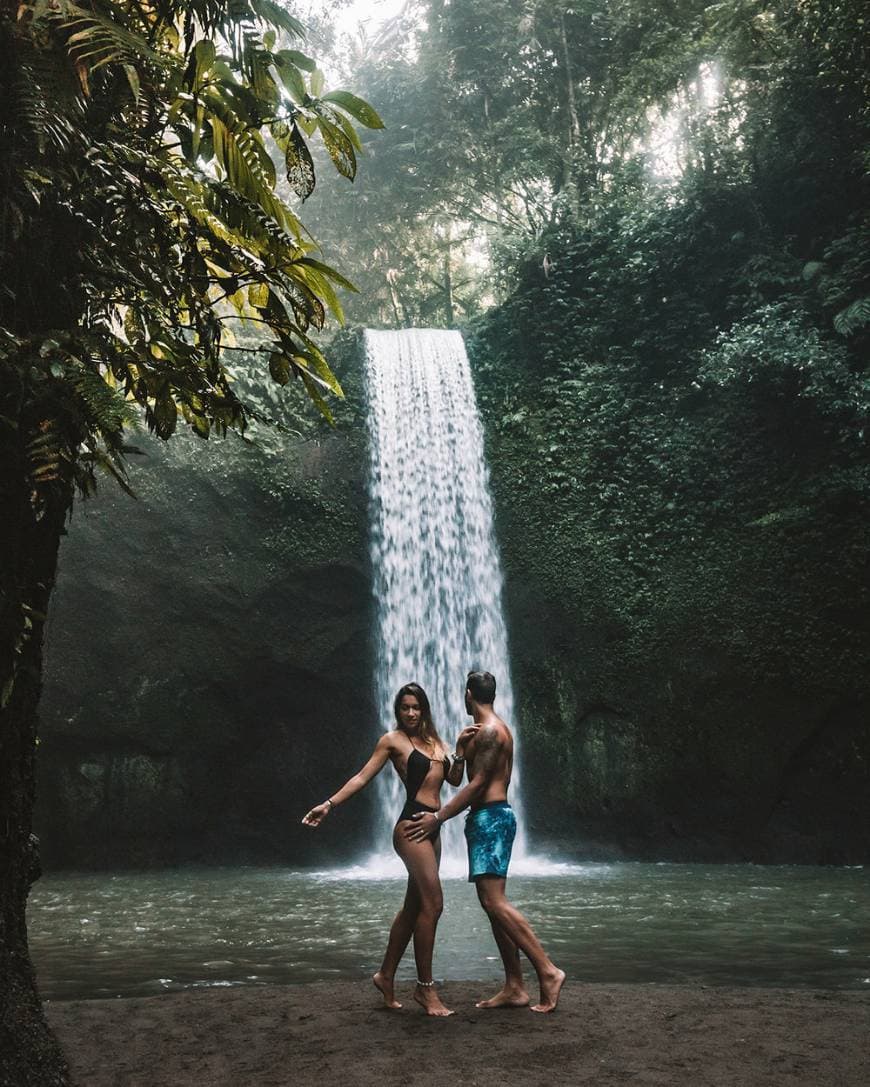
(140,220)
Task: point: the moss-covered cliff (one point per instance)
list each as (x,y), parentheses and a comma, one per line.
(681,486)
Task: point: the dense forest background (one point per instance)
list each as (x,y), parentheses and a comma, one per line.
(651,222)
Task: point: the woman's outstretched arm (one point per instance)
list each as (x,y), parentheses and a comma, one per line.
(353,785)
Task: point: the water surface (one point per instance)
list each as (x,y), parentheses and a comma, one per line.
(142,933)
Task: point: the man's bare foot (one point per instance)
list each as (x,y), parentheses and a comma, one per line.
(430,1001)
(551,986)
(384,985)
(508,997)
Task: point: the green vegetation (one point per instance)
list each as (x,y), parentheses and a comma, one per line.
(677,414)
(139,218)
(691,366)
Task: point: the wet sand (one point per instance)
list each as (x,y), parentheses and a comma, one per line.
(333,1034)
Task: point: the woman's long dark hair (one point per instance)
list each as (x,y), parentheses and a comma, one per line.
(428,731)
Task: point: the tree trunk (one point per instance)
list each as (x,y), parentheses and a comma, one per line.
(394,301)
(29,1053)
(573,115)
(573,142)
(449,304)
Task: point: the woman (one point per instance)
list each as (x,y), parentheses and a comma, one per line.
(423,764)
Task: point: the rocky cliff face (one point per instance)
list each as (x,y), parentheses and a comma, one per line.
(208,657)
(680,752)
(689,667)
(210,664)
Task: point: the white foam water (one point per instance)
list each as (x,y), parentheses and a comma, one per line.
(437,576)
(387,866)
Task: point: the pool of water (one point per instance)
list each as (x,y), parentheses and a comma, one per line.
(133,934)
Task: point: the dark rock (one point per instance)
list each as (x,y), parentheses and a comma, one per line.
(208,660)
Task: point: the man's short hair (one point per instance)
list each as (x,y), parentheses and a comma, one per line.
(482,687)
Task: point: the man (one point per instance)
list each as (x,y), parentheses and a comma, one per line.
(490,829)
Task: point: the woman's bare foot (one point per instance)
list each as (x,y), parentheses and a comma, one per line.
(508,997)
(384,985)
(551,986)
(430,1001)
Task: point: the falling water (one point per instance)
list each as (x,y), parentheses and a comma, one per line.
(437,576)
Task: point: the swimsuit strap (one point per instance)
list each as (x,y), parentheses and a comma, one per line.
(445,760)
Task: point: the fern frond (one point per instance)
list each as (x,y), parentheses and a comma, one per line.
(854,317)
(273,14)
(46,453)
(99,40)
(106,409)
(246,163)
(46,100)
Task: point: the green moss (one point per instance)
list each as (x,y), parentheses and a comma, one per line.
(683,520)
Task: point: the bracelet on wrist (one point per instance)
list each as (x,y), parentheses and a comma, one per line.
(457,757)
(330,803)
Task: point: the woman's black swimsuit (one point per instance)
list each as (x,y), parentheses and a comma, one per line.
(415,775)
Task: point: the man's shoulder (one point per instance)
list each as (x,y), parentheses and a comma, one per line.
(494,733)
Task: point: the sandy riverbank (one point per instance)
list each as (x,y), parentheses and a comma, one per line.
(335,1034)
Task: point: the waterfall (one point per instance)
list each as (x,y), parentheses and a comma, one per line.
(437,576)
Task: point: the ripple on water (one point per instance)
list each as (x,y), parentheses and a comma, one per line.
(653,923)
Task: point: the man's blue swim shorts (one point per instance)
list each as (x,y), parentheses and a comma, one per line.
(489,834)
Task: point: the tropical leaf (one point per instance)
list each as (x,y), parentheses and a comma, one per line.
(240,151)
(307,308)
(347,128)
(201,62)
(279,368)
(339,147)
(300,166)
(297,59)
(290,76)
(144,201)
(325,270)
(46,451)
(319,286)
(356,107)
(317,397)
(318,359)
(96,40)
(163,416)
(106,406)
